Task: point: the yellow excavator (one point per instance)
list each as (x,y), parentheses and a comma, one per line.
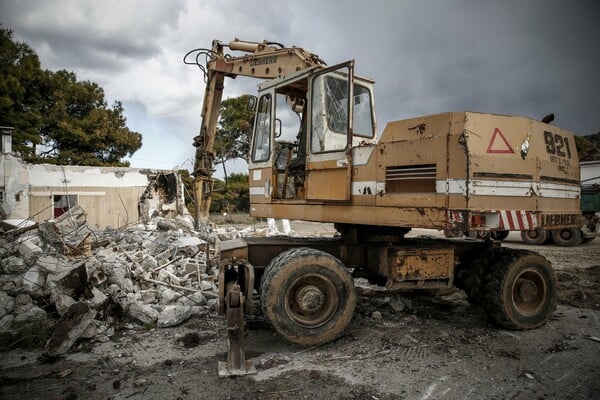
(315,155)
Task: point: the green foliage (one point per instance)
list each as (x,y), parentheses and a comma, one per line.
(27,335)
(233,197)
(58,119)
(588,147)
(234,130)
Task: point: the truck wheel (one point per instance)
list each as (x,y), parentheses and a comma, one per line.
(478,235)
(567,237)
(538,236)
(308,296)
(499,235)
(520,290)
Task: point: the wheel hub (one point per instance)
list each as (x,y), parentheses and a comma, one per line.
(527,290)
(310,299)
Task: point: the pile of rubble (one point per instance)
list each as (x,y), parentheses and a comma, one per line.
(65,271)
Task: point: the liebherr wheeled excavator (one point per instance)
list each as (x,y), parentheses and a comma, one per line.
(315,155)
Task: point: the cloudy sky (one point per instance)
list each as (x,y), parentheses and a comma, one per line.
(522,57)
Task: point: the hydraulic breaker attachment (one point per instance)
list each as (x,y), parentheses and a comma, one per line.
(233,304)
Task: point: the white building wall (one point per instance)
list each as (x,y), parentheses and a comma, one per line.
(23,186)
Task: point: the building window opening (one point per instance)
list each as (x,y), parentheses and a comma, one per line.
(62,203)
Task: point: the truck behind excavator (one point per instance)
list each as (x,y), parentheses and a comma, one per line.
(315,155)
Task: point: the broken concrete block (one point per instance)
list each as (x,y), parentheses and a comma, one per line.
(189,245)
(98,298)
(11,284)
(69,328)
(74,278)
(192,300)
(207,286)
(23,299)
(7,304)
(32,314)
(212,304)
(149,295)
(90,332)
(118,275)
(173,315)
(143,313)
(166,276)
(29,251)
(167,296)
(193,265)
(198,298)
(53,264)
(166,225)
(185,221)
(118,296)
(15,265)
(97,278)
(34,281)
(149,263)
(61,301)
(6,324)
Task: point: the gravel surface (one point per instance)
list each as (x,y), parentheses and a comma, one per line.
(398,346)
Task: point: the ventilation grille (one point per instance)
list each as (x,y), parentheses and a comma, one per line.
(410,179)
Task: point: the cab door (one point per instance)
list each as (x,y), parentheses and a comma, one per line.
(329,158)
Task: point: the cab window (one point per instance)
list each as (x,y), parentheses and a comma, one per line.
(261,148)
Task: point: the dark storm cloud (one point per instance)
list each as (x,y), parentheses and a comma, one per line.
(90,35)
(526,57)
(514,57)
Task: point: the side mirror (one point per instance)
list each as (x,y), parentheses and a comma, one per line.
(251,103)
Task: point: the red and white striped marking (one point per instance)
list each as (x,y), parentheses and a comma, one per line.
(518,220)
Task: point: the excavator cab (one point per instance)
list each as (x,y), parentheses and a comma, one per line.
(306,126)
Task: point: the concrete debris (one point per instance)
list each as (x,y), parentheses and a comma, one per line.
(143,313)
(160,273)
(7,304)
(30,315)
(156,273)
(376,315)
(6,323)
(70,327)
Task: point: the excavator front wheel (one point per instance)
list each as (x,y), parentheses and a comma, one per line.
(308,296)
(520,290)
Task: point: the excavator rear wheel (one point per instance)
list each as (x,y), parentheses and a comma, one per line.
(308,296)
(520,290)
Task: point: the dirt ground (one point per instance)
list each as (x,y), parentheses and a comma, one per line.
(429,348)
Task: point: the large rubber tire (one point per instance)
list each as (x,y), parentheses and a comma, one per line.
(567,237)
(499,235)
(538,236)
(308,296)
(520,290)
(471,275)
(478,235)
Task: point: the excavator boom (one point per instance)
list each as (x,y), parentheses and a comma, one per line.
(266,60)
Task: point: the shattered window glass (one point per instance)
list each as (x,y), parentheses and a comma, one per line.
(262,131)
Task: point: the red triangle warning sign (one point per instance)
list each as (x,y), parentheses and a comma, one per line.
(499,144)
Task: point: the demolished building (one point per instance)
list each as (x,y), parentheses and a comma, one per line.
(111,196)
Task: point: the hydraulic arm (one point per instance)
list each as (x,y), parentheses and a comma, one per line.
(266,60)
